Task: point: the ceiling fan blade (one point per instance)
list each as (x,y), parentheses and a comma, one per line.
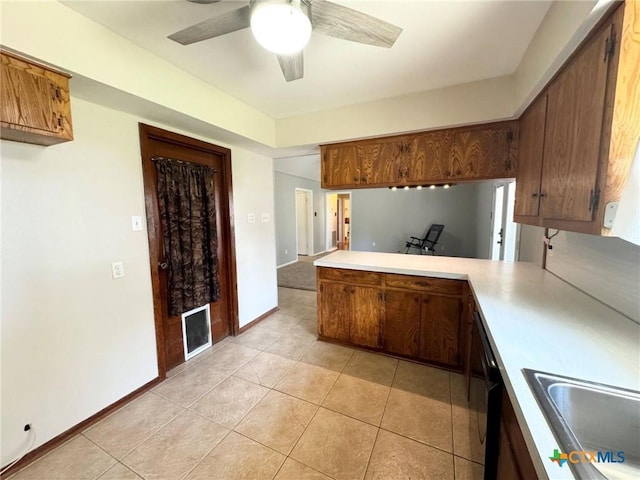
(292,66)
(214,27)
(342,22)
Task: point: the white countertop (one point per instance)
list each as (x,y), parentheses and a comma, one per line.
(534,320)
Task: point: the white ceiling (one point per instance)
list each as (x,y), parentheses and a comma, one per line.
(443,43)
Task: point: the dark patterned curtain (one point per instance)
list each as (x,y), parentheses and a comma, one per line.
(188,215)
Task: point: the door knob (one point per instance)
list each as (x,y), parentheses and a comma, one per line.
(163,265)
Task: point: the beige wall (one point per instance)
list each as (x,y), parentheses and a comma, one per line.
(73,339)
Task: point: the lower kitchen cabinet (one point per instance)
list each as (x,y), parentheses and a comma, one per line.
(440,330)
(335,310)
(350,313)
(402,312)
(415,317)
(514,461)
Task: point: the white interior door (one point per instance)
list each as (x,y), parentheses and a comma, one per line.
(303,222)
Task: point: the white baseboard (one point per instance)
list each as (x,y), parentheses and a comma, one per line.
(288,263)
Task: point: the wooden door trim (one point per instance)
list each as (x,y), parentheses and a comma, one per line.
(148,133)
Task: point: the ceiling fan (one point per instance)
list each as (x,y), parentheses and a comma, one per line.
(284,27)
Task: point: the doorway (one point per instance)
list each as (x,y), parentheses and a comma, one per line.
(338,220)
(304,221)
(504,232)
(155,142)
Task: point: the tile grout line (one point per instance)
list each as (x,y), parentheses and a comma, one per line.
(453,440)
(395,371)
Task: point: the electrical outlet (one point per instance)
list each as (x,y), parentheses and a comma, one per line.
(265,217)
(117,269)
(251,218)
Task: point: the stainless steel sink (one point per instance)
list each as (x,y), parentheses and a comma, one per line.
(591,417)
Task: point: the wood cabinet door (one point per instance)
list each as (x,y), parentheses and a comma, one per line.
(376,169)
(531,149)
(507,463)
(340,166)
(335,310)
(432,152)
(402,322)
(27,99)
(364,329)
(481,153)
(572,133)
(390,152)
(440,330)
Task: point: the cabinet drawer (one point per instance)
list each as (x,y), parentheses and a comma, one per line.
(350,276)
(427,284)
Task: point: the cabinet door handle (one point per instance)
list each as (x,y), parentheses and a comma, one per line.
(542,195)
(534,195)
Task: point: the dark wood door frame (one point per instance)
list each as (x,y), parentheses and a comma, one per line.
(148,133)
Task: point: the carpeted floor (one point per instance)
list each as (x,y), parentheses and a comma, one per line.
(300,275)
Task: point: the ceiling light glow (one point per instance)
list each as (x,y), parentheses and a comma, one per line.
(281,26)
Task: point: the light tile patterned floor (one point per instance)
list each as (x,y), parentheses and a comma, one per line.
(274,403)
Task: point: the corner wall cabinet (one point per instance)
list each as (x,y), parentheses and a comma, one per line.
(460,154)
(411,316)
(577,139)
(35,105)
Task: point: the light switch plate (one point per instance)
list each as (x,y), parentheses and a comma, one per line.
(117,269)
(251,218)
(136,223)
(265,217)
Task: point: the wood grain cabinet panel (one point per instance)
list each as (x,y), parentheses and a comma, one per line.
(35,105)
(573,132)
(335,311)
(360,277)
(340,166)
(364,326)
(440,332)
(402,310)
(432,151)
(433,285)
(531,147)
(514,460)
(481,153)
(378,164)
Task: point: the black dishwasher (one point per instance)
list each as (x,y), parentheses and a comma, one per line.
(485,396)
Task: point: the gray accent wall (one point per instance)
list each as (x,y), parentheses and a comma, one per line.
(388,218)
(285,215)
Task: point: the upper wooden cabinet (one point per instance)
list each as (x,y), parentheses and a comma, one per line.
(532,125)
(482,153)
(461,154)
(577,140)
(35,105)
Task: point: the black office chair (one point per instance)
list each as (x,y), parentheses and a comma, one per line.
(429,242)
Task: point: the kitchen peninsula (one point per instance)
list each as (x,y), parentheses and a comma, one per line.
(532,319)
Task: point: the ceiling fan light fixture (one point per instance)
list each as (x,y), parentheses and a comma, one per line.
(281,26)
